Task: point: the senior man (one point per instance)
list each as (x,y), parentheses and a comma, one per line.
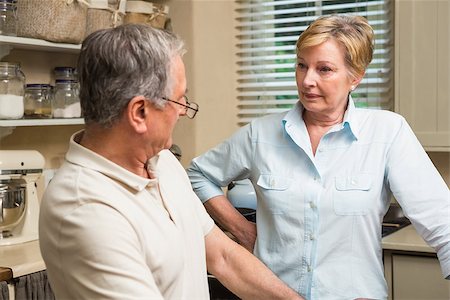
(120,220)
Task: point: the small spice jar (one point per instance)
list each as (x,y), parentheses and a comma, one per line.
(38,101)
(66,94)
(65,73)
(8,17)
(12,90)
(66,100)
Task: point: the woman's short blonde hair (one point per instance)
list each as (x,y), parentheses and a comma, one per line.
(353,32)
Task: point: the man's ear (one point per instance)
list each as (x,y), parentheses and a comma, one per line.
(137,113)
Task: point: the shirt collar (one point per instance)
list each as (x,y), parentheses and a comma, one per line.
(350,119)
(79,155)
(295,115)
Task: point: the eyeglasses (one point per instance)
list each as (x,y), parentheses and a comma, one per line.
(191,108)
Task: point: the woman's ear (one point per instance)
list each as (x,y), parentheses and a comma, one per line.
(137,113)
(355,81)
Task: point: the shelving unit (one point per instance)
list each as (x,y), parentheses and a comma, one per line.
(40,122)
(11,42)
(36,44)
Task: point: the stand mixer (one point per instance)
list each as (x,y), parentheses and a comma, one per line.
(19,204)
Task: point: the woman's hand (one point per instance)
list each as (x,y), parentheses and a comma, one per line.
(247,236)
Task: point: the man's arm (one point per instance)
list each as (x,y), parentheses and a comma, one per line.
(241,272)
(223,212)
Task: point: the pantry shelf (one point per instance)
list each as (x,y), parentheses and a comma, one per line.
(40,122)
(37,44)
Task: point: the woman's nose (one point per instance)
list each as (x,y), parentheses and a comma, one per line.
(309,78)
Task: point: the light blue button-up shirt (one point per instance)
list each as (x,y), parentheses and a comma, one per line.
(319,216)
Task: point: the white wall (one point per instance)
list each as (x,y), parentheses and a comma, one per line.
(208,30)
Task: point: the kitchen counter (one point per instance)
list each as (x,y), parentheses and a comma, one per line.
(406,239)
(411,267)
(21,259)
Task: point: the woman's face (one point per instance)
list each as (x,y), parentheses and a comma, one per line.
(323,79)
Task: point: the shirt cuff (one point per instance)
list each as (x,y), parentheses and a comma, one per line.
(207,192)
(444,259)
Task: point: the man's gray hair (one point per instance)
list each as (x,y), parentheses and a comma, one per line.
(118,64)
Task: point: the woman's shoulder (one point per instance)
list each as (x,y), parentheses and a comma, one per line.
(380,116)
(380,125)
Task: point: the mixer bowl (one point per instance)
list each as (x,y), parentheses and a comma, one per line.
(12,205)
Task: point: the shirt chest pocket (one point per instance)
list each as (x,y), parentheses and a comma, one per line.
(274,188)
(352,194)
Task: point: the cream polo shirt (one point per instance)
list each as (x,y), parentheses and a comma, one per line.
(106,233)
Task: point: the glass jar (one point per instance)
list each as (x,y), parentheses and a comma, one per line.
(66,99)
(12,90)
(65,73)
(38,101)
(8,17)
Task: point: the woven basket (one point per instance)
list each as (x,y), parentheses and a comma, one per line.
(62,21)
(109,16)
(101,19)
(155,15)
(158,21)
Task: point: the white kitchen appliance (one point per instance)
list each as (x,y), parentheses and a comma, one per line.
(242,194)
(19,203)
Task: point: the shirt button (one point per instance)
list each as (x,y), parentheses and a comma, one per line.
(309,269)
(272,183)
(311,237)
(312,205)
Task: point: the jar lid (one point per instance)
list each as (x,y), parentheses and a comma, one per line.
(66,81)
(38,86)
(64,69)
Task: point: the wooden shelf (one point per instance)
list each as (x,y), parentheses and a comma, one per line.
(40,122)
(36,44)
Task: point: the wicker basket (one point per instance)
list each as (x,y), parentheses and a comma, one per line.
(156,15)
(62,21)
(102,15)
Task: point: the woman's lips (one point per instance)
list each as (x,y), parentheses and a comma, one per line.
(311,96)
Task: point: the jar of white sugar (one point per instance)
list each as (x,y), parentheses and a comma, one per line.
(66,100)
(12,90)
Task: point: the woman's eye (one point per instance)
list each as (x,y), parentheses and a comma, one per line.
(325,69)
(301,65)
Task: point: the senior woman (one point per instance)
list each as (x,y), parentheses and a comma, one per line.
(323,173)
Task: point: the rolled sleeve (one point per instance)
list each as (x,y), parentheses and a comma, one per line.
(219,166)
(203,187)
(444,260)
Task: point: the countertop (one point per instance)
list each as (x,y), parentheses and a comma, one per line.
(406,239)
(21,259)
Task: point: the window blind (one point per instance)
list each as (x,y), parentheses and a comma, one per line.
(267,33)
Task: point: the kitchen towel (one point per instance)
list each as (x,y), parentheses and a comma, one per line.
(4,294)
(34,286)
